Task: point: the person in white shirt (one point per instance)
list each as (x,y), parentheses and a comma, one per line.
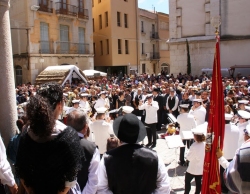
(102,101)
(125,169)
(196,157)
(101,130)
(6,175)
(230,145)
(198,111)
(243,117)
(74,107)
(84,104)
(186,122)
(151,108)
(172,103)
(87,177)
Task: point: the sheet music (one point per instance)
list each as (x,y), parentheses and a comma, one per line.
(172,117)
(187,135)
(174,141)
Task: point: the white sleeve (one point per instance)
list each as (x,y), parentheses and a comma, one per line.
(155,105)
(162,183)
(192,154)
(102,187)
(6,175)
(91,185)
(167,107)
(97,104)
(141,107)
(176,104)
(223,162)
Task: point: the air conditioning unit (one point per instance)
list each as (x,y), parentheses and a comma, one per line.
(147,55)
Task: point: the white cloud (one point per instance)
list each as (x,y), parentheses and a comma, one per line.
(141,1)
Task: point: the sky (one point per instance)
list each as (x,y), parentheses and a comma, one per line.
(160,5)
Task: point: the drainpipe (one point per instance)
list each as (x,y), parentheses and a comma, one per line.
(137,36)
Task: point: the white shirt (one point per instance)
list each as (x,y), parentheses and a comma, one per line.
(151,111)
(199,114)
(162,183)
(6,175)
(196,157)
(231,138)
(101,103)
(241,127)
(101,132)
(91,185)
(186,121)
(85,106)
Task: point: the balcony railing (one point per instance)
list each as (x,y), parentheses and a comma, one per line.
(154,56)
(71,48)
(66,9)
(83,13)
(154,35)
(46,47)
(46,6)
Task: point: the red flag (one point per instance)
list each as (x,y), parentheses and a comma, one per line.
(216,126)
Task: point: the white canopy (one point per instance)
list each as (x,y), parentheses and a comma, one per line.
(92,73)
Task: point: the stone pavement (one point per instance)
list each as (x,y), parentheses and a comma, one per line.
(170,158)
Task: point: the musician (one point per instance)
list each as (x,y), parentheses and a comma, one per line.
(74,107)
(84,104)
(186,122)
(102,101)
(243,117)
(151,108)
(198,111)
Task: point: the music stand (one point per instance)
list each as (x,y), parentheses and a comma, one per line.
(175,141)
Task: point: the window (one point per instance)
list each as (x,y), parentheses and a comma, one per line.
(107,43)
(142,26)
(93,21)
(19,75)
(126,20)
(142,48)
(118,19)
(81,37)
(100,21)
(119,46)
(143,68)
(64,39)
(126,47)
(44,38)
(106,19)
(101,47)
(94,48)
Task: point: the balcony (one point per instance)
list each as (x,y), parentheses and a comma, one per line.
(66,9)
(155,56)
(83,13)
(63,48)
(154,35)
(71,48)
(46,6)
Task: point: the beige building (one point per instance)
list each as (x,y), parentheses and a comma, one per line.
(194,24)
(115,35)
(50,32)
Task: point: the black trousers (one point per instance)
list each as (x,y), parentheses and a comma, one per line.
(151,133)
(182,149)
(188,179)
(224,188)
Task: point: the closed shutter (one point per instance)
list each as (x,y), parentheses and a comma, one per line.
(81,34)
(64,39)
(44,38)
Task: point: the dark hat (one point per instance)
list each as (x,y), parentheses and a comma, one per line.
(129,128)
(156,90)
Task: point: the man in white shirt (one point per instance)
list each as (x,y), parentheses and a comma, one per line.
(125,169)
(102,101)
(198,111)
(6,175)
(101,130)
(84,104)
(87,178)
(74,107)
(151,108)
(243,117)
(172,103)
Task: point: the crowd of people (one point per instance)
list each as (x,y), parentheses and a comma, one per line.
(94,133)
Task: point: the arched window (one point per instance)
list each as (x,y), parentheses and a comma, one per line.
(19,75)
(164,67)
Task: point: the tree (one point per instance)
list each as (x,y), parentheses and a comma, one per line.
(188,59)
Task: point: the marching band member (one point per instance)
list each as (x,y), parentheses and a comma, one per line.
(102,101)
(151,108)
(84,104)
(198,111)
(243,122)
(74,107)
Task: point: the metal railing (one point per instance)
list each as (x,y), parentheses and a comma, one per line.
(71,48)
(46,7)
(46,47)
(83,13)
(154,35)
(154,55)
(66,9)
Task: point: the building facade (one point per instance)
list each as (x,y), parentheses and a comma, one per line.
(49,32)
(193,23)
(115,35)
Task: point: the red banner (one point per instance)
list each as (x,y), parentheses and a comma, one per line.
(216,127)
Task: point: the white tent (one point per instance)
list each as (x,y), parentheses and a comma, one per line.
(94,73)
